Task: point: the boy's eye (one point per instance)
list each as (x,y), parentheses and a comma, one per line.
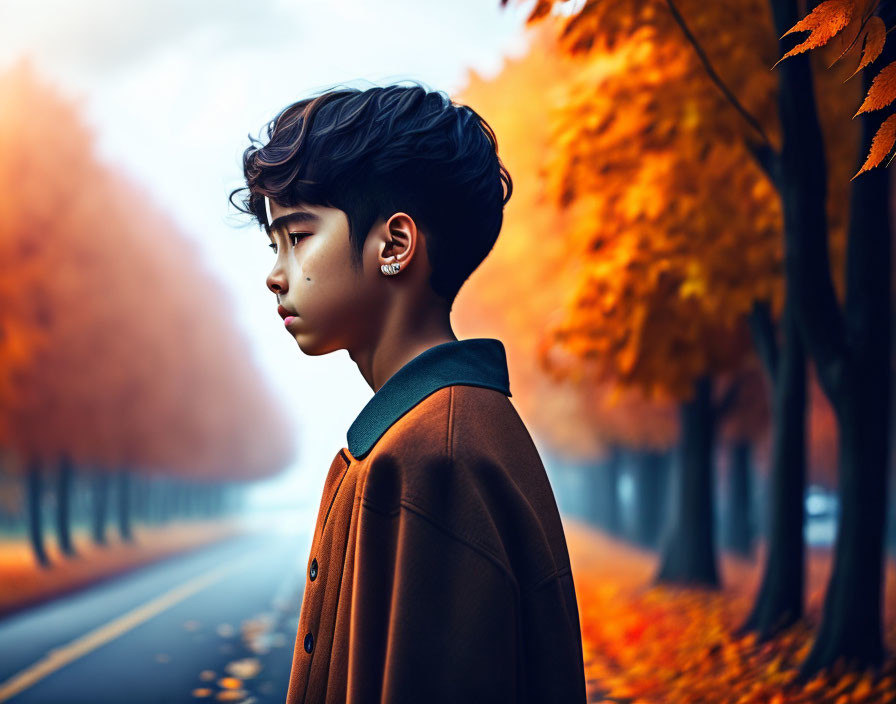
(291,235)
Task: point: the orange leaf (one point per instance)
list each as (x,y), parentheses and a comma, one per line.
(849,39)
(881,144)
(875,35)
(882,91)
(824,22)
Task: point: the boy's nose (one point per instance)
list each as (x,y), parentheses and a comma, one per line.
(277,283)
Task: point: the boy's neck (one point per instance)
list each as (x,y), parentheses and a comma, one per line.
(397,347)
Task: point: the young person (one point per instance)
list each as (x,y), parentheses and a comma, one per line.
(438,569)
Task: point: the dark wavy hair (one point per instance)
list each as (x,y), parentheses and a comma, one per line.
(382,150)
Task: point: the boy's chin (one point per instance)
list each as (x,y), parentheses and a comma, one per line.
(312,347)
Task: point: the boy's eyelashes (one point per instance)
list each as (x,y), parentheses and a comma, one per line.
(293,238)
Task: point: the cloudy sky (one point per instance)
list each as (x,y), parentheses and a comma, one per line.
(172,88)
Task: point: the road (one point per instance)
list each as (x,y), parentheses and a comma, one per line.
(167,632)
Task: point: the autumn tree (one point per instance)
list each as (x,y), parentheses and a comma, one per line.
(624,19)
(842,342)
(849,343)
(520,288)
(664,288)
(112,359)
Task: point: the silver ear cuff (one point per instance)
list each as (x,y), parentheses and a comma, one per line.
(389,269)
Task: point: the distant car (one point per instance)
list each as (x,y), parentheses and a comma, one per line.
(822,511)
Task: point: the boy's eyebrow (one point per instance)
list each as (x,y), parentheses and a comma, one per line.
(298,216)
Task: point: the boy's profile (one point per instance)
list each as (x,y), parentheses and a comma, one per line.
(438,569)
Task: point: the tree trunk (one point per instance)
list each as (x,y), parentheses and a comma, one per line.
(166,501)
(851,619)
(779,602)
(177,502)
(100,506)
(607,491)
(141,499)
(891,523)
(851,626)
(850,347)
(124,506)
(35,512)
(64,505)
(688,555)
(189,500)
(153,501)
(651,480)
(739,516)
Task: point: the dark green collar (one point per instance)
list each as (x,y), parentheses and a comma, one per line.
(479,361)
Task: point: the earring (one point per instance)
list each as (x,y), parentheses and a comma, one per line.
(389,269)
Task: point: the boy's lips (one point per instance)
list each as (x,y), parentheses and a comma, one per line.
(285,312)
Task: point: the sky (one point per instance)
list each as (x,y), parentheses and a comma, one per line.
(172,88)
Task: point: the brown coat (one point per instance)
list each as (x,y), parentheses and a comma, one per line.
(439,570)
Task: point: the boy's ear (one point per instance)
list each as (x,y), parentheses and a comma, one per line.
(400,237)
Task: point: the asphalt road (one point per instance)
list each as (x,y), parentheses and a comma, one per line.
(186,629)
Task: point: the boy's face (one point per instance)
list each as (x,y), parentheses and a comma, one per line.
(328,303)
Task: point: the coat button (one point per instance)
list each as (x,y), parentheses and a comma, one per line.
(309,642)
(313,573)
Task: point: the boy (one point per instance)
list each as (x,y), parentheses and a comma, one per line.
(439,569)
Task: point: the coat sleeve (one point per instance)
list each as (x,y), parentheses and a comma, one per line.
(434,618)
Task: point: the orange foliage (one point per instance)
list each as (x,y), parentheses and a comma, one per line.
(679,228)
(855,24)
(521,286)
(682,230)
(881,143)
(824,22)
(882,91)
(873,43)
(110,350)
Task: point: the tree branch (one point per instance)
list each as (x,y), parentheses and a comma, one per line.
(803,197)
(714,76)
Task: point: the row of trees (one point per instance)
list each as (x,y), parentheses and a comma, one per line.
(118,351)
(694,230)
(41,500)
(740,460)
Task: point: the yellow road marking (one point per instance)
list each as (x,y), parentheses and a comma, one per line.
(63,655)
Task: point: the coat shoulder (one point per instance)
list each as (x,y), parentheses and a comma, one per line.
(464,459)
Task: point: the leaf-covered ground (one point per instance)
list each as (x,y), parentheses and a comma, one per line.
(666,645)
(25,582)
